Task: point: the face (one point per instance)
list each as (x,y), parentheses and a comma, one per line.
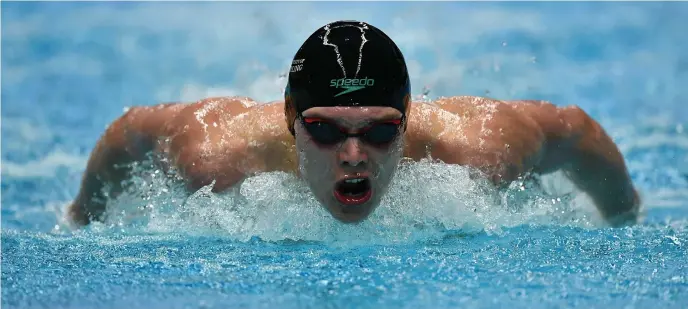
(348,156)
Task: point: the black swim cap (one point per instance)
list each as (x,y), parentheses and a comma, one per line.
(347,63)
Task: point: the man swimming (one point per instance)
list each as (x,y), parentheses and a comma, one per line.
(349,122)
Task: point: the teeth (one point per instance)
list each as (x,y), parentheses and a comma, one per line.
(357,180)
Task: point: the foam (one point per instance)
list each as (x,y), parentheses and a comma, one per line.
(427,200)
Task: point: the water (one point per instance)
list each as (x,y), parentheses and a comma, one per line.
(439,240)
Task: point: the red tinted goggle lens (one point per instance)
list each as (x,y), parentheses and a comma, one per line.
(328,133)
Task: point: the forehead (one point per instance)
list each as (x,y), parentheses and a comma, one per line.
(353,114)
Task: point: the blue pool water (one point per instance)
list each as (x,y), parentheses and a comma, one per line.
(438,241)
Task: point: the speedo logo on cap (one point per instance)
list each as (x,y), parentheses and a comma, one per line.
(351,84)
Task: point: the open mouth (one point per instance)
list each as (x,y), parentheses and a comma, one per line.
(353,191)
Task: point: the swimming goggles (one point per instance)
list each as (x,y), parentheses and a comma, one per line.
(326,132)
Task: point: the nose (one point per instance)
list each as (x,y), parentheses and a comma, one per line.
(351,153)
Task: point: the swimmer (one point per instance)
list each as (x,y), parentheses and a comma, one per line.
(346,122)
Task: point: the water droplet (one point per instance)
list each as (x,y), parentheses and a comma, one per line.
(674,239)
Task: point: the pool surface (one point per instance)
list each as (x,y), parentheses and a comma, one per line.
(439,240)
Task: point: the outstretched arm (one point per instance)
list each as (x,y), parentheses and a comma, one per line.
(578,145)
(598,168)
(199,152)
(128,139)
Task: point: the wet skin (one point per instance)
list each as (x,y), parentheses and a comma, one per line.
(227,139)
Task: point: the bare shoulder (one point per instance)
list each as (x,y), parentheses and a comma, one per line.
(546,116)
(225,139)
(198,116)
(506,137)
(557,122)
(475,121)
(485,133)
(474,107)
(214,122)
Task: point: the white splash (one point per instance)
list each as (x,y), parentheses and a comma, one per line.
(426,200)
